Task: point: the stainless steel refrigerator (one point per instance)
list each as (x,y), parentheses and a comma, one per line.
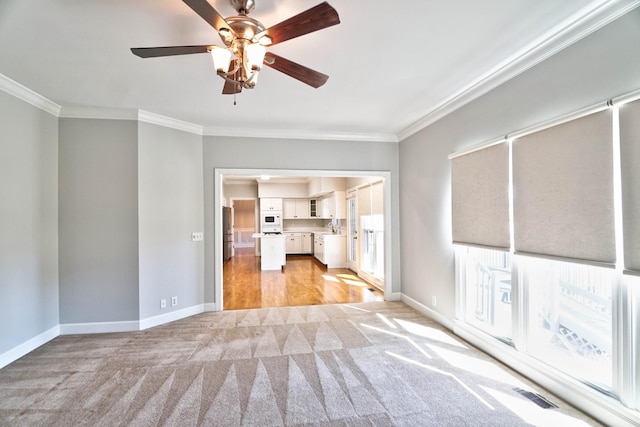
(227,232)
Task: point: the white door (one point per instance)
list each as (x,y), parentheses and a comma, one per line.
(352,234)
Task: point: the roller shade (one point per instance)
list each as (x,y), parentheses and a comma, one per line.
(480,197)
(630,163)
(364,201)
(563,190)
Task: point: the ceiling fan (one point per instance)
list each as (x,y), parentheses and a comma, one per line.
(245,40)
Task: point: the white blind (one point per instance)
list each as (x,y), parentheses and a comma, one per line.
(480,197)
(630,162)
(563,190)
(364,201)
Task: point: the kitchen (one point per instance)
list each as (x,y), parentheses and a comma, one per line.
(314,218)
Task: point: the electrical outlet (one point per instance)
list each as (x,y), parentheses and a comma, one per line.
(174,301)
(197,237)
(163,303)
(434,301)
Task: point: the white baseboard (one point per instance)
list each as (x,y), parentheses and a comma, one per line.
(601,407)
(28,346)
(210,306)
(171,316)
(129,326)
(393,296)
(16,353)
(99,327)
(430,313)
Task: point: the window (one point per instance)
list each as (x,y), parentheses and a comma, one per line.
(372,260)
(352,230)
(572,260)
(570,317)
(487,290)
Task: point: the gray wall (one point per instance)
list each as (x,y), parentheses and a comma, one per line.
(28,221)
(98,220)
(170,190)
(603,65)
(258,153)
(240,191)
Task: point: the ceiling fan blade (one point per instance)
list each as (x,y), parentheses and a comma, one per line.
(209,14)
(314,19)
(297,71)
(152,52)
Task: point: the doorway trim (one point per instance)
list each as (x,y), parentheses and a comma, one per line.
(220,173)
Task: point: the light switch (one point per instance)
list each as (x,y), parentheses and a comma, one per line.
(197,237)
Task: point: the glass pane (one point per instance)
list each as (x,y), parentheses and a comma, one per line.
(570,324)
(378,270)
(366,262)
(488,290)
(353,233)
(372,254)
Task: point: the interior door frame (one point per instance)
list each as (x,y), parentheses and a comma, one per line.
(391,222)
(355,264)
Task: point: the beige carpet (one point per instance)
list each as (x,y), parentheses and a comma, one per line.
(370,364)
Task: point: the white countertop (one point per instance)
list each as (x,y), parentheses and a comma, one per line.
(324,232)
(265,235)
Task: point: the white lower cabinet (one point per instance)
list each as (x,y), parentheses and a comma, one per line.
(298,243)
(318,247)
(307,243)
(293,243)
(331,250)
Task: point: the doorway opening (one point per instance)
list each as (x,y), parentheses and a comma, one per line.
(304,280)
(244,223)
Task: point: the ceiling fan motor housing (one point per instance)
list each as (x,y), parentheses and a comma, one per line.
(244,27)
(243,6)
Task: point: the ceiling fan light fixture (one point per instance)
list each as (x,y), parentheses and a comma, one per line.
(254,55)
(264,40)
(221,59)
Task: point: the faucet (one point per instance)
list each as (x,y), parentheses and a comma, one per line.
(330,225)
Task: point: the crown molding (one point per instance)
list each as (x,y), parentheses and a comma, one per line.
(27,95)
(298,134)
(577,27)
(100,113)
(103,113)
(570,31)
(157,119)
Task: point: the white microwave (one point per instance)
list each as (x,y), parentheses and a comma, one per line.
(271,222)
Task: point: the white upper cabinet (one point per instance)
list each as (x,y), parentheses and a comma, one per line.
(271,204)
(333,206)
(295,208)
(319,186)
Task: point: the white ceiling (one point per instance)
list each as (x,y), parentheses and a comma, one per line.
(393,65)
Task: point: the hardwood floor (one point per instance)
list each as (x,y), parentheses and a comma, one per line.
(304,281)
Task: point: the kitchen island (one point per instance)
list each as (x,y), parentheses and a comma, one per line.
(272,251)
